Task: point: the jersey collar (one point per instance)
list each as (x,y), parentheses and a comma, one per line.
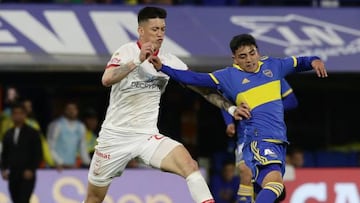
(139,45)
(257,70)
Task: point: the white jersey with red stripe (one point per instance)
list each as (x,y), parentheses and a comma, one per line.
(134,101)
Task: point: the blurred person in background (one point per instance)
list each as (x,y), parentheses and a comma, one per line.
(295,156)
(32,121)
(258,99)
(224,186)
(21,156)
(246,189)
(130,127)
(66,138)
(294,159)
(12,96)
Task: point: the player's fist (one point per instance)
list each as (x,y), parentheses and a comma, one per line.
(242,112)
(147,50)
(156,62)
(230,129)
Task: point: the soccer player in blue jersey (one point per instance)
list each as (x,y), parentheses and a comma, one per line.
(246,189)
(255,81)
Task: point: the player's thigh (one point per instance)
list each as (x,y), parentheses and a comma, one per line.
(272,176)
(179,161)
(168,155)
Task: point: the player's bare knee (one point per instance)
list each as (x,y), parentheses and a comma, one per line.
(188,166)
(192,165)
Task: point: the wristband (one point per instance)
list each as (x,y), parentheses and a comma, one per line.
(231,110)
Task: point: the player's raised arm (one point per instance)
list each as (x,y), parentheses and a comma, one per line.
(306,63)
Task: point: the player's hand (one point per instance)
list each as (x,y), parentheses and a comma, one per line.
(130,66)
(147,50)
(156,62)
(242,112)
(319,66)
(230,130)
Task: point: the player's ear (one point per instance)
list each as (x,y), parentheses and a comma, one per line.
(140,30)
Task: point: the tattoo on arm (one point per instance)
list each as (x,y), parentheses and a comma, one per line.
(213,96)
(120,72)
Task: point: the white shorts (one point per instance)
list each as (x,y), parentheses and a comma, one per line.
(239,157)
(115,149)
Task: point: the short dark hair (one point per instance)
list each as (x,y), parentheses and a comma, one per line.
(150,12)
(242,40)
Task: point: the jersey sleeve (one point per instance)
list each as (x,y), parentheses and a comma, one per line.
(285,88)
(221,79)
(296,64)
(147,69)
(228,119)
(189,77)
(120,56)
(289,98)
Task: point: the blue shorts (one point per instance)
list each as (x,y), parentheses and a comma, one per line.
(258,154)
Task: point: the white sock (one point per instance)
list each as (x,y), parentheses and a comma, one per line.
(198,187)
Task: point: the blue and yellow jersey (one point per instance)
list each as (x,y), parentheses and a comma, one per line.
(261,90)
(289,101)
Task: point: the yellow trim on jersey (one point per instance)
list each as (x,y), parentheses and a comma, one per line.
(257,70)
(295,61)
(214,78)
(260,95)
(286,93)
(273,141)
(256,152)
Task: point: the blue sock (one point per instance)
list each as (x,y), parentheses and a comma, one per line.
(270,192)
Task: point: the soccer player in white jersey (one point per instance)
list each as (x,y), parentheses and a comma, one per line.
(130,126)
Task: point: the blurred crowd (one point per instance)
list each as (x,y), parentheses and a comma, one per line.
(69,139)
(306,3)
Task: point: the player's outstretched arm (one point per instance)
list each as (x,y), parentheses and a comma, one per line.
(187,77)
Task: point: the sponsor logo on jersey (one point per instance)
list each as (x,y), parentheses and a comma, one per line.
(150,84)
(269,152)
